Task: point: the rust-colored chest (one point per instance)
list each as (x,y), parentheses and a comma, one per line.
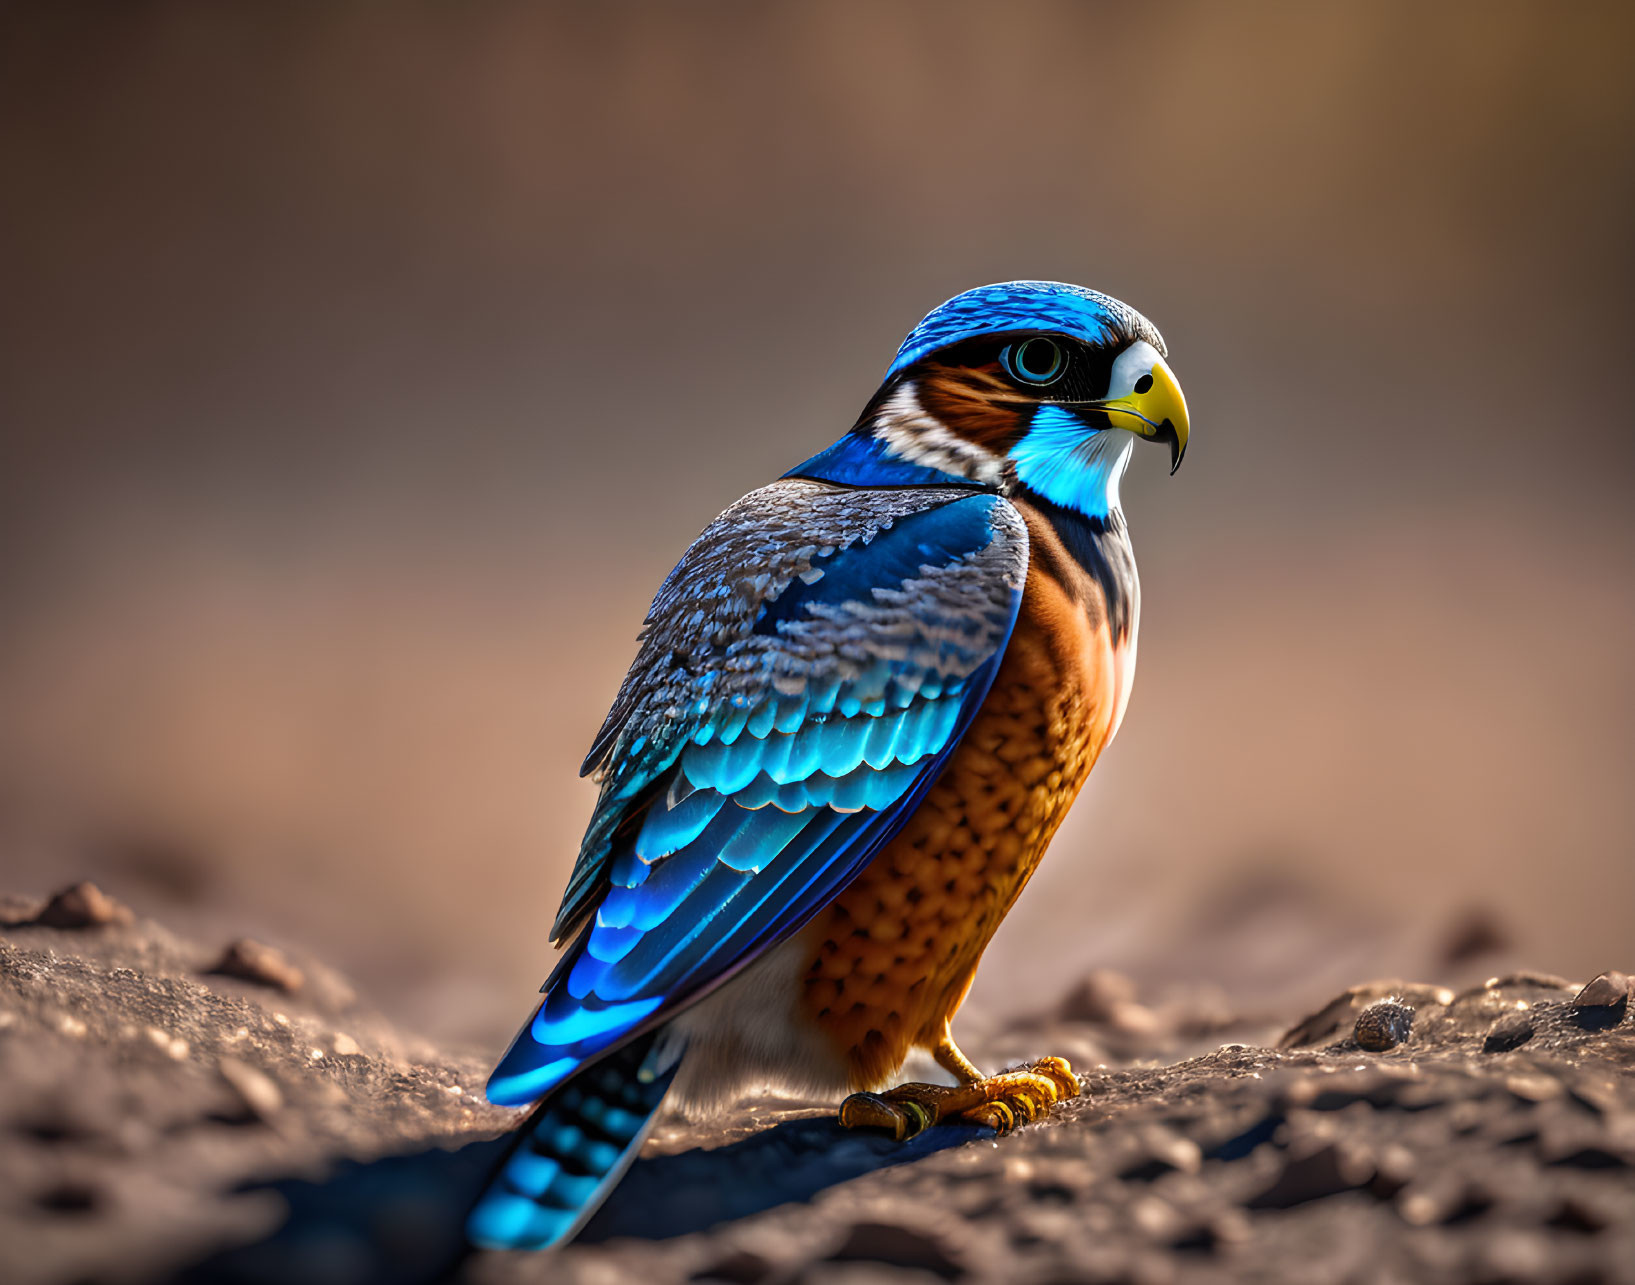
(892,957)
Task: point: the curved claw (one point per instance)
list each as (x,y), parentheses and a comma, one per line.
(1060,1072)
(992,1115)
(902,1120)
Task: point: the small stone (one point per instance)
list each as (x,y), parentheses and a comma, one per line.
(1509,1033)
(1535,1088)
(261,1097)
(1326,1170)
(1513,1254)
(738,1267)
(1136,1020)
(1582,1213)
(344,1044)
(1394,1169)
(1476,933)
(254,961)
(899,1246)
(1383,1025)
(1332,1018)
(1528,978)
(171,1045)
(70,1025)
(1603,1002)
(1162,1151)
(83,905)
(1098,998)
(1155,1217)
(1230,1227)
(16,909)
(1433,1201)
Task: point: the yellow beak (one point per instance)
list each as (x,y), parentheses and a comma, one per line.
(1158,414)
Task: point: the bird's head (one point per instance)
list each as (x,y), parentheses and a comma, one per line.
(1030,384)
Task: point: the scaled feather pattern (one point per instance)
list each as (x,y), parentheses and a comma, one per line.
(802,673)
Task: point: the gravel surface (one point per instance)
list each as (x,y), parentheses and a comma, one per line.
(225,1112)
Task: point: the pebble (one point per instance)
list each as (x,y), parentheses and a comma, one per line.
(738,1266)
(1154,1217)
(1509,1033)
(172,1045)
(1097,998)
(1383,1025)
(1162,1151)
(254,961)
(255,1089)
(1535,1088)
(1512,1254)
(345,1045)
(1394,1168)
(900,1246)
(1478,933)
(16,909)
(1603,1002)
(1324,1170)
(83,905)
(1433,1201)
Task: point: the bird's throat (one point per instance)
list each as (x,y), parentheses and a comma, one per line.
(1072,465)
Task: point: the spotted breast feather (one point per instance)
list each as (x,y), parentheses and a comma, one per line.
(892,957)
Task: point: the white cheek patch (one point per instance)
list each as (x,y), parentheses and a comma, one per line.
(917,437)
(1135,361)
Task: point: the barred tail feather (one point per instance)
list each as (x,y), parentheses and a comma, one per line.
(574,1149)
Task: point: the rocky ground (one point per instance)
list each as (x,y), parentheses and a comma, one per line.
(221,1112)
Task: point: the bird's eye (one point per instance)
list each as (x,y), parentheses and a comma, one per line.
(1144,384)
(1035,361)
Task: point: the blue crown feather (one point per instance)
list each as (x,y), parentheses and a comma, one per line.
(1008,306)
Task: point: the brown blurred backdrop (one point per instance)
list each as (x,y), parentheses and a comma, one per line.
(364,368)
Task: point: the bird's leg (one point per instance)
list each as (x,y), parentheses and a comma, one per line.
(950,1059)
(1000,1102)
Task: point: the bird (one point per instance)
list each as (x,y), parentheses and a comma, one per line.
(862,703)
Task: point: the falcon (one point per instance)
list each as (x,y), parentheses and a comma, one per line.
(862,703)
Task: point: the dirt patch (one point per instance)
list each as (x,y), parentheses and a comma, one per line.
(160,1120)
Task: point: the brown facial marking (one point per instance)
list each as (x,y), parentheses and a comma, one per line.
(976,402)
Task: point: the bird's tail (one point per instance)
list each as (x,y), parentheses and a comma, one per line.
(573,1150)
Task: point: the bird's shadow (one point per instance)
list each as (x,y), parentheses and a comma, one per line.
(398,1220)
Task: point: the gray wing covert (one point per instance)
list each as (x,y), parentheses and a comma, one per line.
(800,589)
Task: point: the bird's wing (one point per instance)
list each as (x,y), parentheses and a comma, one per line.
(803,675)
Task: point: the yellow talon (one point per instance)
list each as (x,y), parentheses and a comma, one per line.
(999,1102)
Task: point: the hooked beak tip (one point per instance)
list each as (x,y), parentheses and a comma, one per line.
(1177,448)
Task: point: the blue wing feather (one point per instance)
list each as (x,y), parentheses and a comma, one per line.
(795,780)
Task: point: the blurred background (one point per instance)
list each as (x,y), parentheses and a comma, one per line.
(364,368)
